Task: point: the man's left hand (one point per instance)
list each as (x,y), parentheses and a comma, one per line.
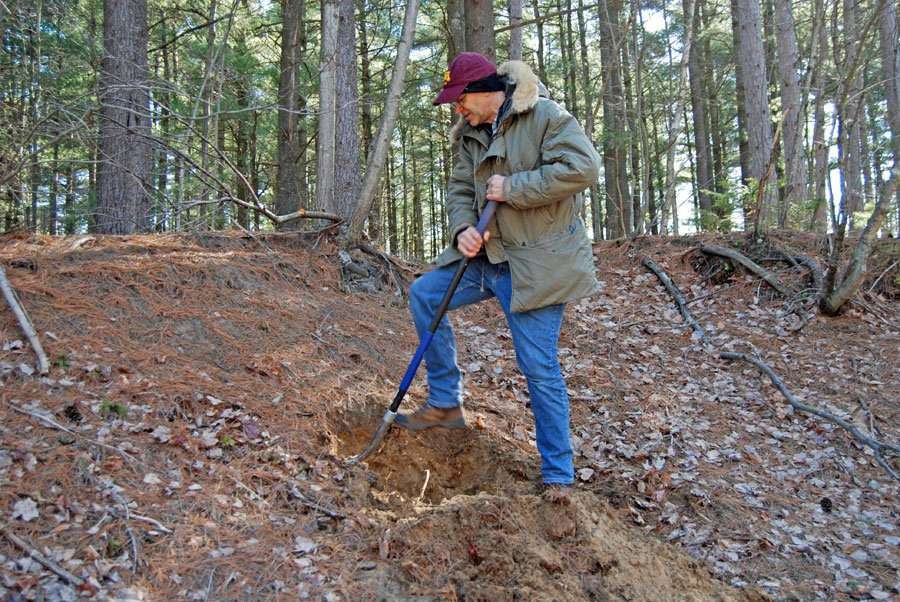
(495,189)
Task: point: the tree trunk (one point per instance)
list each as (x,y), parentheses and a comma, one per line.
(404,182)
(835,298)
(391,204)
(654,178)
(207,125)
(242,153)
(646,182)
(788,69)
(539,24)
(124,178)
(374,223)
(569,50)
(456,28)
(890,68)
(418,223)
(164,108)
(218,210)
(347,163)
(711,92)
(515,33)
(325,184)
(675,124)
(53,210)
(750,62)
(289,194)
(819,222)
(618,202)
(697,74)
(480,27)
(850,114)
(588,91)
(375,164)
(254,163)
(70,219)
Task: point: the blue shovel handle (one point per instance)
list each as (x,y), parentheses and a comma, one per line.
(486,216)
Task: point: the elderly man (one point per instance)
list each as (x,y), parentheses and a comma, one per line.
(524,151)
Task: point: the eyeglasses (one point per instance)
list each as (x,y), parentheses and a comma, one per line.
(459,102)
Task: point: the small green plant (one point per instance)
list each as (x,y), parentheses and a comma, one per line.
(227,441)
(113,407)
(113,547)
(61,361)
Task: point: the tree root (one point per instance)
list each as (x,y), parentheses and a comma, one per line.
(770,278)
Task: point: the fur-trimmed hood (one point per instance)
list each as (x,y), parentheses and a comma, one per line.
(528,89)
(528,86)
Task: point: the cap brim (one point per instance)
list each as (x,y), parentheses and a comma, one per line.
(449,94)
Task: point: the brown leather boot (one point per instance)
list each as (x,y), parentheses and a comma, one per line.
(558,493)
(428,416)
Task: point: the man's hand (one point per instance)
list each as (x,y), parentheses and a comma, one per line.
(495,189)
(469,241)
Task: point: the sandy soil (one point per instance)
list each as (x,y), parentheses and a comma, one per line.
(189,440)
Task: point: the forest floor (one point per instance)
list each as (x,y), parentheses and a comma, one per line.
(188,442)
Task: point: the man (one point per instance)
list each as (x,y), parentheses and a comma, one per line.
(518,148)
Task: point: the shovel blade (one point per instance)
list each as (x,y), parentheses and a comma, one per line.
(377,438)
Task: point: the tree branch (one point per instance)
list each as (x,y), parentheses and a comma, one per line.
(60,427)
(37,556)
(878,447)
(676,294)
(24,322)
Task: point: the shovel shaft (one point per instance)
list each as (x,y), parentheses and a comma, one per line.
(425,341)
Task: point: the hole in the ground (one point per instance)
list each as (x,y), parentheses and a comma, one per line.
(436,464)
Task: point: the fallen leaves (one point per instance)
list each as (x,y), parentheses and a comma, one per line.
(25,510)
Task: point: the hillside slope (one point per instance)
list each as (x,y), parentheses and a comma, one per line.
(189,440)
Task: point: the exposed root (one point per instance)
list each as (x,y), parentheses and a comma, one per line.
(741,259)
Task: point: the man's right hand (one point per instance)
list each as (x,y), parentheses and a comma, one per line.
(469,241)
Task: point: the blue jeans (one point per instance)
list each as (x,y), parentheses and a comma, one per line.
(535,335)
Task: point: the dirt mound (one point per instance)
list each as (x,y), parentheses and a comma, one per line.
(501,547)
(189,440)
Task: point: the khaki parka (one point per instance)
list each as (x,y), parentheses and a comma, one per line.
(549,162)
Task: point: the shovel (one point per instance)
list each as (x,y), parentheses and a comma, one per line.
(391,414)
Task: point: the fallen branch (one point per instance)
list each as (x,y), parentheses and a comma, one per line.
(60,427)
(80,242)
(146,519)
(24,322)
(40,558)
(877,280)
(676,294)
(750,265)
(313,504)
(287,217)
(877,446)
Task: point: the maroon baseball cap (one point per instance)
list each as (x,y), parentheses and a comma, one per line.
(466,68)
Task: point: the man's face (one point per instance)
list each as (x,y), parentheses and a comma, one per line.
(476,108)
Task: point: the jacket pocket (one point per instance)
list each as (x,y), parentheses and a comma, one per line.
(553,270)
